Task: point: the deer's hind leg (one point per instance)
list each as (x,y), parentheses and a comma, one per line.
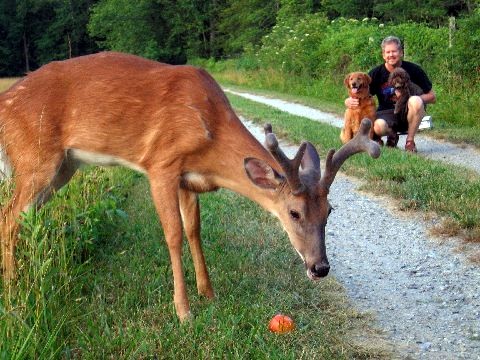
(33,187)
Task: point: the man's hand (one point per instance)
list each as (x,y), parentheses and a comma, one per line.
(351,103)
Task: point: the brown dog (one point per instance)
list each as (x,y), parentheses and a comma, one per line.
(357,84)
(404,88)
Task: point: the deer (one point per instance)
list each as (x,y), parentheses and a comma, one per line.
(174,124)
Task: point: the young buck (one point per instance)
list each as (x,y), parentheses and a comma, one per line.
(175,125)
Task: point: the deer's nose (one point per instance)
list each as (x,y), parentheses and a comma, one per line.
(320,270)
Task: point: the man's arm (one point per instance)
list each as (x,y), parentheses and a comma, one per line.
(429,97)
(351,103)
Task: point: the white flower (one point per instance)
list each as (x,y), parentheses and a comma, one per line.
(381,25)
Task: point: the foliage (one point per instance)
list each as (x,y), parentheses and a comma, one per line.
(239,29)
(145,28)
(466,46)
(290,48)
(34,32)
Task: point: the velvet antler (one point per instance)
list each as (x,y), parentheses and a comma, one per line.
(290,167)
(361,142)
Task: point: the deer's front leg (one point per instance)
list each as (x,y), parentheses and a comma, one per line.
(165,197)
(190,211)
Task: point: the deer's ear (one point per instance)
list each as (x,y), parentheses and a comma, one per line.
(262,174)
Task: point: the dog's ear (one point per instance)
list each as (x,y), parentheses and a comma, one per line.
(368,79)
(346,80)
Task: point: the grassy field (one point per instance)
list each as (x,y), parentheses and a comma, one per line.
(95,283)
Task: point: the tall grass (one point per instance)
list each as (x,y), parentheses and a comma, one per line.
(95,282)
(53,254)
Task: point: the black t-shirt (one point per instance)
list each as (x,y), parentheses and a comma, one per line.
(379,87)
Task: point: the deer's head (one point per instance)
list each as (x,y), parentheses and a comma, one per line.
(301,201)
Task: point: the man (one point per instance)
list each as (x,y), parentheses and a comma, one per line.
(386,122)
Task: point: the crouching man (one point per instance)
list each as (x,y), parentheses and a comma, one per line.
(387,123)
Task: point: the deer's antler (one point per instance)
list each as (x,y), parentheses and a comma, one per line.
(290,167)
(361,142)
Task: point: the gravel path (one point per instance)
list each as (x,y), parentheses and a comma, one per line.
(424,294)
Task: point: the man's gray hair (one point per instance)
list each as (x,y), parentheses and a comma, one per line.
(391,40)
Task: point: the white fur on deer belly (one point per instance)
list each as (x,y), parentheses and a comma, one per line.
(93,158)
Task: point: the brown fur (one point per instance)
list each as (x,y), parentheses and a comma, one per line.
(172,123)
(357,84)
(404,88)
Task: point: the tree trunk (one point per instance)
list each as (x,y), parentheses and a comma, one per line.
(69,39)
(25,51)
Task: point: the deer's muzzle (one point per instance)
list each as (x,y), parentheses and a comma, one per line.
(317,271)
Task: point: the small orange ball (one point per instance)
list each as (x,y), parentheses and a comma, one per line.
(281,324)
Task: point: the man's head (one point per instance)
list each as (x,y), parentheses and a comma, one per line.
(392,51)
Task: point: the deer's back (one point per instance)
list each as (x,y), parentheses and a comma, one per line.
(112,103)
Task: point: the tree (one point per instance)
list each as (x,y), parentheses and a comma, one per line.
(357,9)
(149,28)
(200,23)
(245,22)
(36,32)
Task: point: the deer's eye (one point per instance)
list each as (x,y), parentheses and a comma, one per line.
(294,214)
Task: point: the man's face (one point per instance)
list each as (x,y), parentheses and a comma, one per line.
(392,54)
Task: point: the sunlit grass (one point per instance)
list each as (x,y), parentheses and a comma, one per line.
(5,83)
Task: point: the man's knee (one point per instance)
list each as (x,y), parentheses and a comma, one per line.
(380,127)
(416,110)
(415,103)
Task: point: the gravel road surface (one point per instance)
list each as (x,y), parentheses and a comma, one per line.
(423,293)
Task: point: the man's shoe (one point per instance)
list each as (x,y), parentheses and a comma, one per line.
(410,146)
(392,140)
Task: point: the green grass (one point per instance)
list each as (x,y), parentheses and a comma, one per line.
(450,191)
(95,282)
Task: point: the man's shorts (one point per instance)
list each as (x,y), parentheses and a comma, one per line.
(398,124)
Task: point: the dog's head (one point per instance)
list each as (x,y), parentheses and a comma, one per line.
(398,79)
(357,84)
